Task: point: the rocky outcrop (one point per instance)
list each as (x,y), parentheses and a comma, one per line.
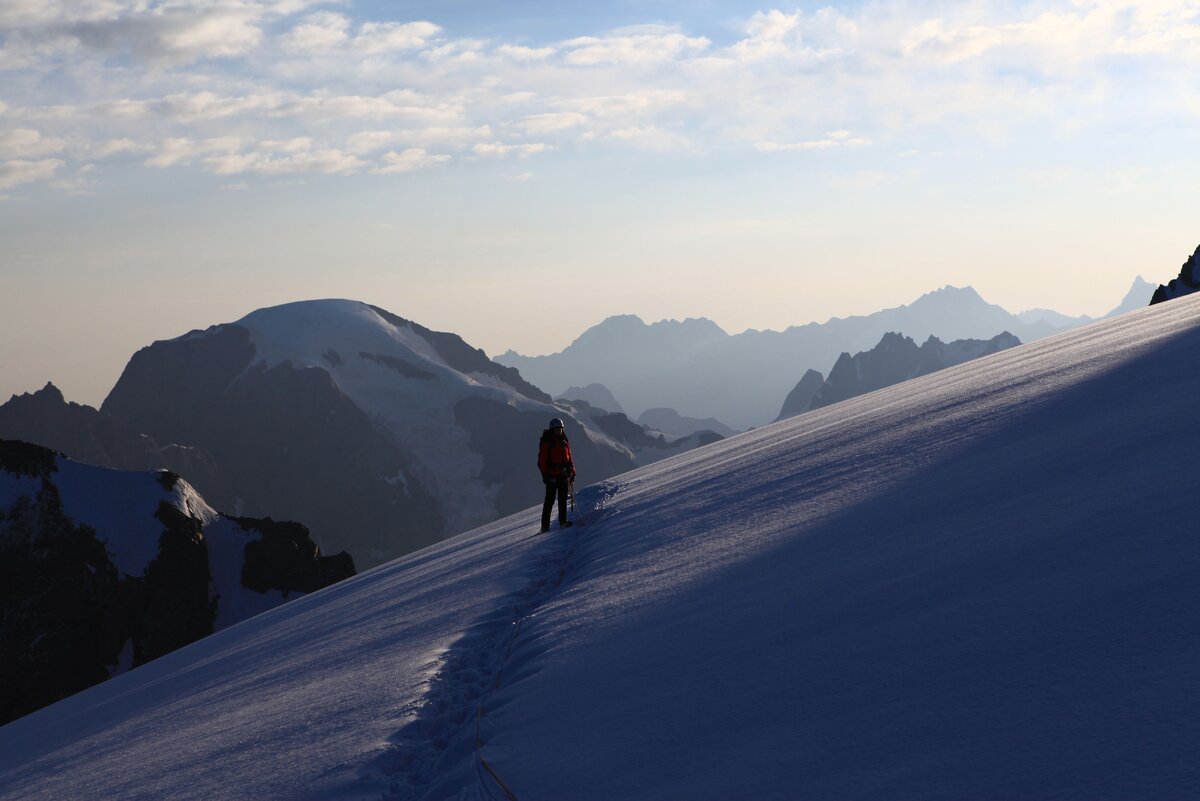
(798,400)
(285,558)
(94,437)
(896,358)
(104,570)
(1187,282)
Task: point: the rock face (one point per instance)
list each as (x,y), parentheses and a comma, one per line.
(595,394)
(94,437)
(381,435)
(801,396)
(896,358)
(676,426)
(1187,282)
(104,570)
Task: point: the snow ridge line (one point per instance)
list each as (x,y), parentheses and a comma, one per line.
(605,491)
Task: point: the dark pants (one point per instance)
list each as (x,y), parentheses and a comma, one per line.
(555,486)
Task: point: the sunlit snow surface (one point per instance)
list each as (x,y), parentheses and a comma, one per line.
(981,584)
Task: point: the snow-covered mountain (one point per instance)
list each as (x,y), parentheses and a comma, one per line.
(103,570)
(896,358)
(701,371)
(381,435)
(976,584)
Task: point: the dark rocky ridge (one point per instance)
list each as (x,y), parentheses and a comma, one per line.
(69,618)
(88,435)
(801,396)
(1187,282)
(896,358)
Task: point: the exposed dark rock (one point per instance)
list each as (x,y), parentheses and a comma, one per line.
(69,618)
(898,358)
(285,558)
(400,366)
(802,394)
(333,357)
(1187,282)
(178,609)
(93,437)
(26,459)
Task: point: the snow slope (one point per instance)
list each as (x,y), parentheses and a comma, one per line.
(976,584)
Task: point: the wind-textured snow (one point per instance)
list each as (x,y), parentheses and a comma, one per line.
(977,584)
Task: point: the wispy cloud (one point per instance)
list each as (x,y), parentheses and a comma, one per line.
(208,84)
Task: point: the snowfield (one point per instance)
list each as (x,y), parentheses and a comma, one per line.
(983,584)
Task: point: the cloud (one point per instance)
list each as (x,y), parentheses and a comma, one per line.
(26,143)
(25,171)
(282,158)
(502,150)
(552,122)
(180,150)
(317,32)
(414,158)
(230,83)
(162,32)
(369,141)
(647,45)
(652,137)
(831,140)
(378,37)
(525,54)
(112,147)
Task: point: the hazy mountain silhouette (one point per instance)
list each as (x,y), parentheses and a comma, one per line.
(701,371)
(676,426)
(896,358)
(595,395)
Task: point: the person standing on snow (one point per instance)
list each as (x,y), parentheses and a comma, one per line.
(558,471)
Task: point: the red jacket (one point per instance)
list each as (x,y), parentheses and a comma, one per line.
(554,456)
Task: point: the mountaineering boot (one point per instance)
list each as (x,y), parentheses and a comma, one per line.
(565,524)
(543,529)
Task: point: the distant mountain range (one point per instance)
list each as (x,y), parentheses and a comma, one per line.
(696,368)
(104,570)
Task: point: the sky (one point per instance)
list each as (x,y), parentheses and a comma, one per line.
(516,172)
